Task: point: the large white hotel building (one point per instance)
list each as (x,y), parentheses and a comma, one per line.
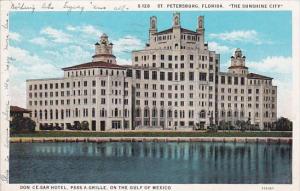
(174,82)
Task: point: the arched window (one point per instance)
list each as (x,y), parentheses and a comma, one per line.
(41,114)
(202,114)
(138,112)
(125,113)
(51,114)
(235,114)
(76,112)
(170,113)
(62,114)
(146,112)
(154,112)
(46,114)
(56,114)
(223,113)
(102,112)
(162,113)
(116,112)
(229,113)
(93,112)
(35,113)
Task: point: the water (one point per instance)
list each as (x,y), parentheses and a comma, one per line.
(120,162)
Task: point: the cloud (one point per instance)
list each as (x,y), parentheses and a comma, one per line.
(274,64)
(238,36)
(56,35)
(284,96)
(74,55)
(71,28)
(121,61)
(39,41)
(280,68)
(86,29)
(127,44)
(31,65)
(214,46)
(25,65)
(14,36)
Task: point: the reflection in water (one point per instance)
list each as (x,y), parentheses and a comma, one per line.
(150,162)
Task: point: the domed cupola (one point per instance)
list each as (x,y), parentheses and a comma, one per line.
(238,63)
(103,50)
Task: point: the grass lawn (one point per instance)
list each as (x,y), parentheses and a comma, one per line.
(154,134)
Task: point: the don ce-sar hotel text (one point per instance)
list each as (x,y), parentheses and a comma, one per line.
(175,82)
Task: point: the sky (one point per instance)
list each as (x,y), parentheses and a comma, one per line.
(41,43)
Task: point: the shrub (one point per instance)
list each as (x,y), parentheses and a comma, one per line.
(22,125)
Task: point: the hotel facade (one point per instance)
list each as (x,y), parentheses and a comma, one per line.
(175,82)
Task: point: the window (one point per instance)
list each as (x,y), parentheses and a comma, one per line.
(222,79)
(170,76)
(211,77)
(236,80)
(138,74)
(162,76)
(154,75)
(191,57)
(242,81)
(229,80)
(129,73)
(191,76)
(202,76)
(153,57)
(146,75)
(181,76)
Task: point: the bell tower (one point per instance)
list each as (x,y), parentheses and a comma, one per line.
(176,20)
(152,29)
(103,51)
(201,30)
(238,65)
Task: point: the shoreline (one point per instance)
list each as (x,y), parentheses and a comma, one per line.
(277,140)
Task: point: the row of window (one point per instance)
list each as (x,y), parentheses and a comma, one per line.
(241,114)
(162,123)
(173,58)
(92,73)
(169,103)
(84,101)
(68,113)
(162,113)
(79,93)
(266,106)
(170,95)
(63,85)
(170,76)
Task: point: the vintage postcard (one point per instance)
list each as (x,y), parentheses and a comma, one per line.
(148,95)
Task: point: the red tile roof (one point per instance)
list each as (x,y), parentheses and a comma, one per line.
(257,76)
(98,64)
(19,109)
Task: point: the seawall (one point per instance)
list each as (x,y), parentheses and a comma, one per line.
(277,140)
